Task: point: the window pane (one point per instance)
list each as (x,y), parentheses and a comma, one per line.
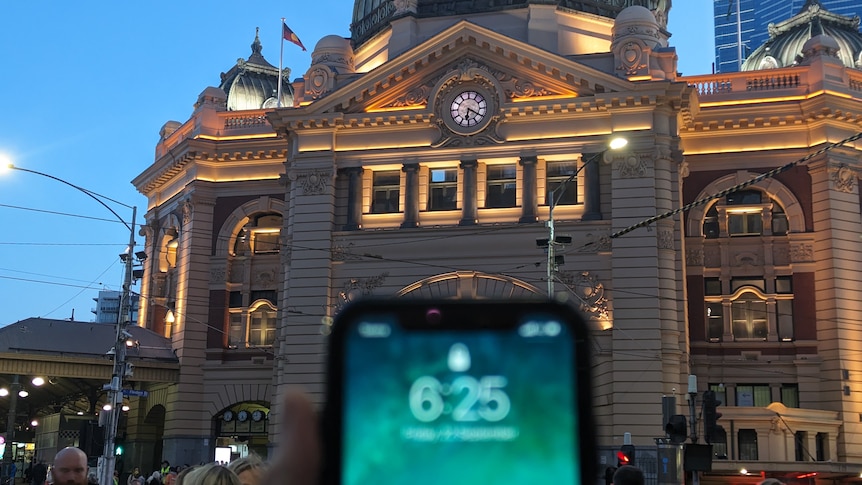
(748,317)
(784,317)
(443,190)
(714,321)
(744,197)
(236,332)
(712,286)
(800,438)
(557,173)
(784,284)
(780,225)
(710,223)
(385,192)
(757,395)
(820,444)
(266,242)
(501,185)
(790,395)
(745,224)
(261,326)
(747,444)
(737,283)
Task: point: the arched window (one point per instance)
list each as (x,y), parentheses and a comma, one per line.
(744,213)
(261,328)
(749,317)
(749,308)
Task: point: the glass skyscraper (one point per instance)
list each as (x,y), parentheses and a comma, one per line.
(741,25)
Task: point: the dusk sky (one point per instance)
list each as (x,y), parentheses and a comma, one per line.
(87,86)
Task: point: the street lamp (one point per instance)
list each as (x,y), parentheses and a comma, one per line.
(120,368)
(553,199)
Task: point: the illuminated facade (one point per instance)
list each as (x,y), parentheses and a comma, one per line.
(417,160)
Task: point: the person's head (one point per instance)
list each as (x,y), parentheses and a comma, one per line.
(771,481)
(183,474)
(70,467)
(211,474)
(628,475)
(165,464)
(249,469)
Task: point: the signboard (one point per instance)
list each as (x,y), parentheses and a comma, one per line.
(135,393)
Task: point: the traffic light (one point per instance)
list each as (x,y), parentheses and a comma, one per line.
(676,429)
(626,455)
(711,429)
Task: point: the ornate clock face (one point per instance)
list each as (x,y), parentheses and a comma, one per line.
(242,416)
(228,416)
(468,109)
(257,415)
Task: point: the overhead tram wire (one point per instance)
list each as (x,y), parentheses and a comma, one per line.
(737,187)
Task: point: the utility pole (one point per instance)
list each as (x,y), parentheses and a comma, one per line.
(554,199)
(692,407)
(110,417)
(121,369)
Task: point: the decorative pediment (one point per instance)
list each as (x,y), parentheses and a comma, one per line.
(523,72)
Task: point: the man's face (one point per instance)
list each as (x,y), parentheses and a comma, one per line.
(70,469)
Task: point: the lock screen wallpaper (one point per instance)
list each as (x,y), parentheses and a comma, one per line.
(460,407)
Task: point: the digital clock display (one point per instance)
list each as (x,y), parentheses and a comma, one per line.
(460,406)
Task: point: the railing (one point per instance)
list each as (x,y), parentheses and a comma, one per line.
(793,78)
(223,123)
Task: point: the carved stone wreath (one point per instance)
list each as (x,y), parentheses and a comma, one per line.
(844,178)
(311,183)
(589,292)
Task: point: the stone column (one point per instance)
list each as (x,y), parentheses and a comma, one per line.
(529,200)
(354,198)
(411,195)
(469,203)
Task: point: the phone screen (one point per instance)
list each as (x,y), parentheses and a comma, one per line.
(459,405)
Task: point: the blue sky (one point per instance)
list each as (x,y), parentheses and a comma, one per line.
(86,86)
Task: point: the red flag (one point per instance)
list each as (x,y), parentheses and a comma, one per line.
(290,36)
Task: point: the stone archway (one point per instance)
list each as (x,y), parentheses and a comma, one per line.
(470,284)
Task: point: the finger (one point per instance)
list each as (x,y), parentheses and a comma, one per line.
(297,459)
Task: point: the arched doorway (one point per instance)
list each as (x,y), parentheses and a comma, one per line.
(241,429)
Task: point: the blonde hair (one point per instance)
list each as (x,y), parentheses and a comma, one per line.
(211,474)
(249,462)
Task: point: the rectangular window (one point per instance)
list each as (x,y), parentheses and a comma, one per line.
(745,224)
(784,317)
(748,319)
(385,191)
(757,395)
(747,445)
(800,438)
(821,445)
(557,174)
(262,327)
(443,189)
(790,395)
(712,286)
(501,185)
(714,321)
(236,332)
(784,284)
(744,197)
(720,392)
(266,242)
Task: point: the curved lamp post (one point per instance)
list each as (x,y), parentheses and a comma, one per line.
(120,368)
(554,197)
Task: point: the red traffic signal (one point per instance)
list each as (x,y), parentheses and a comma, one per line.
(622,459)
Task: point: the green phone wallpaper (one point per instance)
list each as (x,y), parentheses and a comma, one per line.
(465,407)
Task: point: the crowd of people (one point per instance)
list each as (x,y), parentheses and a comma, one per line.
(70,468)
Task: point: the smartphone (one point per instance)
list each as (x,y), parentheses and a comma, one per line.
(458,392)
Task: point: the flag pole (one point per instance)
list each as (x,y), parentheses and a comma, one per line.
(280,57)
